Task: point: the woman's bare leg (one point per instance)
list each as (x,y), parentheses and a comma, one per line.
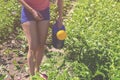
(30,30)
(43,32)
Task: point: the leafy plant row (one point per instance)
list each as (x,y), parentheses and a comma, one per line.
(93,40)
(9,18)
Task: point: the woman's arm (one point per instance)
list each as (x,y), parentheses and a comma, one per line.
(60,12)
(60,7)
(31,10)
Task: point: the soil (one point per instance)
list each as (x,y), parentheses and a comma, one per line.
(13,60)
(13,63)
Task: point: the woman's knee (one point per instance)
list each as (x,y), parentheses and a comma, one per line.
(36,46)
(33,47)
(42,46)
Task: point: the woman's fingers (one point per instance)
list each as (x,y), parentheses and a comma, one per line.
(37,15)
(60,21)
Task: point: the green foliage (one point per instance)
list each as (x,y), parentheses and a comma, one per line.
(92,47)
(36,77)
(2,77)
(9,17)
(95,32)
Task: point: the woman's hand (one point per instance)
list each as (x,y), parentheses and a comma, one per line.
(37,15)
(60,22)
(60,12)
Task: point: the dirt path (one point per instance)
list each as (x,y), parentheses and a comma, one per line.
(13,61)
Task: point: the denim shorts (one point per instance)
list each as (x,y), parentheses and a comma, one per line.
(27,16)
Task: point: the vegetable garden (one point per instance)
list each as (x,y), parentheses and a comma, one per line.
(92,46)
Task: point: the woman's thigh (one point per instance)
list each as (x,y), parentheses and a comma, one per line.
(43,31)
(30,30)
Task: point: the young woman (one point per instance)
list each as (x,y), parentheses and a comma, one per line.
(35,18)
